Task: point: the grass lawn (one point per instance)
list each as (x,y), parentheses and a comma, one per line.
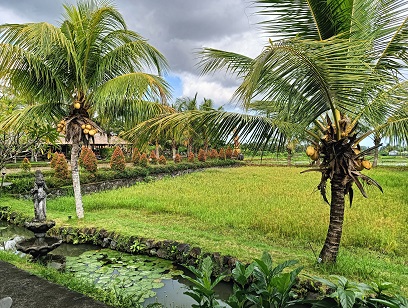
(244,211)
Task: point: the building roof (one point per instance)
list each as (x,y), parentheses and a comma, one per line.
(99,140)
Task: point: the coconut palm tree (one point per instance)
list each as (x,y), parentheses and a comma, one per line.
(91,64)
(334,59)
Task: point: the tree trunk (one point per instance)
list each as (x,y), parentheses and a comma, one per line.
(331,246)
(289,158)
(377,141)
(157,150)
(75,180)
(174,148)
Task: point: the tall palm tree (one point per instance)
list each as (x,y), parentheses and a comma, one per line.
(91,64)
(334,59)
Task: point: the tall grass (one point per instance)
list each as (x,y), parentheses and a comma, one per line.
(242,211)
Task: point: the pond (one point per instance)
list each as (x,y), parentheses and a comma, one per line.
(145,279)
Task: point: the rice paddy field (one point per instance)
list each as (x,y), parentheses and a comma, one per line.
(244,211)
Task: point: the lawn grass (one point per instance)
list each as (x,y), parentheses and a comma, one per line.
(244,211)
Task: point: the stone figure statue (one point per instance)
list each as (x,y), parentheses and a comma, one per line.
(40,197)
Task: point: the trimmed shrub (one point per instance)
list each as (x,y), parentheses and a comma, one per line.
(235,153)
(89,161)
(191,157)
(143,162)
(118,162)
(54,160)
(228,153)
(26,165)
(84,151)
(135,157)
(177,158)
(221,154)
(201,155)
(162,160)
(61,167)
(214,154)
(153,157)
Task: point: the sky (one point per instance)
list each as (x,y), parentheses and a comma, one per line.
(177,28)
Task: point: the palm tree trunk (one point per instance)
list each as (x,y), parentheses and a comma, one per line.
(174,148)
(157,149)
(289,158)
(331,246)
(377,141)
(75,180)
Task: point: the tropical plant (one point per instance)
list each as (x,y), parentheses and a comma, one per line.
(61,167)
(162,160)
(202,289)
(118,161)
(92,64)
(334,60)
(25,165)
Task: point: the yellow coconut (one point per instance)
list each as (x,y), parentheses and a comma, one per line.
(88,126)
(356,151)
(59,129)
(310,151)
(315,155)
(86,131)
(59,125)
(367,164)
(83,126)
(77,105)
(92,132)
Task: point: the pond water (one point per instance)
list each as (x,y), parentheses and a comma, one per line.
(145,279)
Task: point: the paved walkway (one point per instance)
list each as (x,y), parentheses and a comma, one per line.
(29,291)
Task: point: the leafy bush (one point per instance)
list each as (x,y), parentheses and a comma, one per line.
(190,157)
(135,157)
(201,155)
(54,159)
(26,165)
(89,161)
(214,154)
(235,153)
(153,157)
(177,158)
(143,162)
(221,154)
(162,160)
(61,167)
(228,153)
(118,162)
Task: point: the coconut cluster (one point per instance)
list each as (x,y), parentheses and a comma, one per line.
(87,129)
(312,152)
(361,163)
(61,127)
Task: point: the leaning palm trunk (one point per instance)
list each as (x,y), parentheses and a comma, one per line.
(75,180)
(331,245)
(377,142)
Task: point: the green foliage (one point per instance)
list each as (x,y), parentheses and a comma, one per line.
(202,290)
(263,285)
(118,162)
(26,165)
(348,294)
(61,167)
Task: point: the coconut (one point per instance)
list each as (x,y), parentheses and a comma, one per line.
(366,164)
(88,126)
(315,155)
(310,150)
(59,129)
(77,105)
(92,132)
(83,126)
(59,125)
(86,131)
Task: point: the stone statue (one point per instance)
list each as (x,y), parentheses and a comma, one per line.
(40,197)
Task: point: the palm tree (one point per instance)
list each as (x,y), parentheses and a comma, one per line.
(90,65)
(334,59)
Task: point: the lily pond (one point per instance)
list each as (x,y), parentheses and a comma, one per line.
(145,279)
